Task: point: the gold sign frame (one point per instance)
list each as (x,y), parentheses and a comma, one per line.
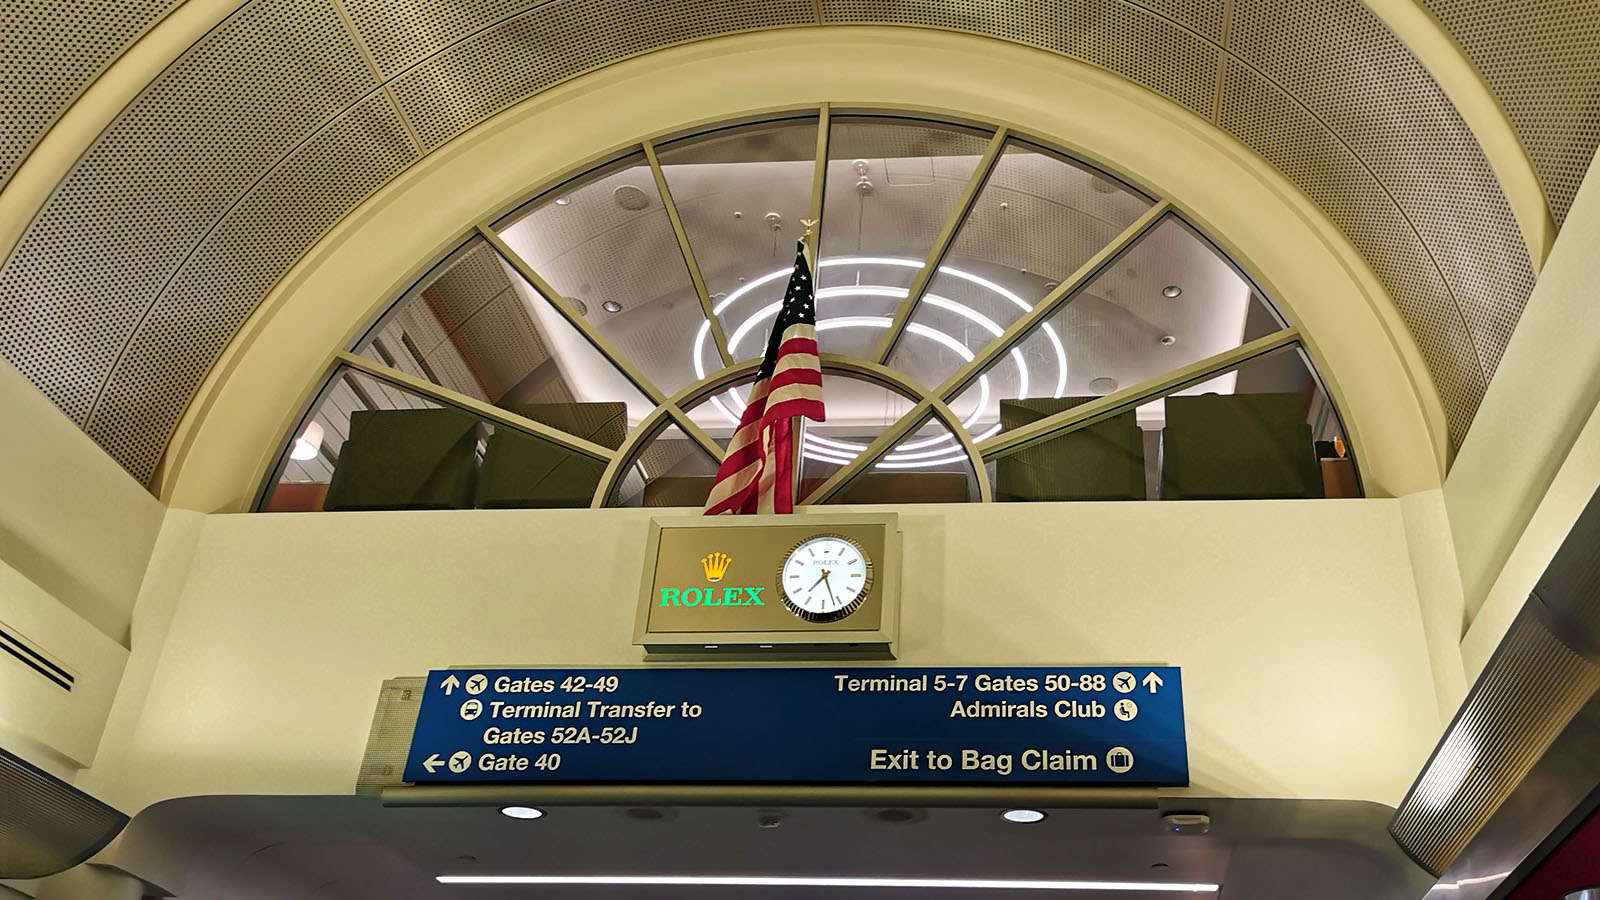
(709,590)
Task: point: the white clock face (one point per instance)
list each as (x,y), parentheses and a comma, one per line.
(825,578)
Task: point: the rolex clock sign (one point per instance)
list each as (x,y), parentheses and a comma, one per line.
(819,583)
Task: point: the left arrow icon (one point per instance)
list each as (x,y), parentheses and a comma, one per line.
(450,684)
(432,762)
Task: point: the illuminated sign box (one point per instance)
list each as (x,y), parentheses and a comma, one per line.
(823,583)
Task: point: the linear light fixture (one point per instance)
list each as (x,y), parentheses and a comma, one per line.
(990,884)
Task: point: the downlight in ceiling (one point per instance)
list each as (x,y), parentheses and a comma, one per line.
(1102,386)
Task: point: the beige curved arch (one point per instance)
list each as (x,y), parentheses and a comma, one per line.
(1361,347)
(1461,82)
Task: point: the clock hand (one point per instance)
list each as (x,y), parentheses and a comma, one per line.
(821,578)
(829,585)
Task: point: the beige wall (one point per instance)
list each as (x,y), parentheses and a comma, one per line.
(1526,470)
(1305,660)
(71,520)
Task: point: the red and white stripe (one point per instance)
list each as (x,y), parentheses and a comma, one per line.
(757,476)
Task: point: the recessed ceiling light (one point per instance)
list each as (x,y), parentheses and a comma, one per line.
(579,305)
(1102,386)
(1168,340)
(1171,291)
(986,884)
(1022,816)
(563,201)
(611,306)
(521,812)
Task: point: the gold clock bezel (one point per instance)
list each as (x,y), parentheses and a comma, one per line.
(841,612)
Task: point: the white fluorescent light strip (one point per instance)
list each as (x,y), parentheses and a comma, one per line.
(900,458)
(990,884)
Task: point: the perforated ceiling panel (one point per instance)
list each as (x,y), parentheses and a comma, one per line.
(1151,50)
(461,86)
(156,182)
(239,261)
(41,72)
(241,155)
(1328,53)
(1542,59)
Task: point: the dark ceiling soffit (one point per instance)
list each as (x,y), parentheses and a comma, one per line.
(1533,721)
(49,825)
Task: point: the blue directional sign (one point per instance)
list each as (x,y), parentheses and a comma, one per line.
(1118,725)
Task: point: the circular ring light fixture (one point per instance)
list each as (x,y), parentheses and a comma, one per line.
(939,450)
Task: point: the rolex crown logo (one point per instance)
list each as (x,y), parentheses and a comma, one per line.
(716,565)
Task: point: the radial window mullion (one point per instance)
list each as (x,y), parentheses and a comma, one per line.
(947,234)
(412,384)
(880,447)
(1070,420)
(717,336)
(560,304)
(1059,296)
(819,174)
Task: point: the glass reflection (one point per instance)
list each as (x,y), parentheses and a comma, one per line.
(1038,218)
(1122,328)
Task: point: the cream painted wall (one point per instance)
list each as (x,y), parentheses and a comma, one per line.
(1438,579)
(1305,660)
(71,520)
(1523,474)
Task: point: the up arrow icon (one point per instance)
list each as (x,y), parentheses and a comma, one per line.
(432,762)
(1153,681)
(450,684)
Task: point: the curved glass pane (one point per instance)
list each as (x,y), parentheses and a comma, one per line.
(605,241)
(1123,328)
(670,470)
(476,326)
(1038,218)
(370,445)
(892,183)
(928,466)
(1264,430)
(742,195)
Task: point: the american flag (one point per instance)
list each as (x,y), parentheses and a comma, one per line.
(757,476)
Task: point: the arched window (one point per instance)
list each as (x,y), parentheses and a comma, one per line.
(998,321)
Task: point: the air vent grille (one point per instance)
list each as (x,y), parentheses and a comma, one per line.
(19,648)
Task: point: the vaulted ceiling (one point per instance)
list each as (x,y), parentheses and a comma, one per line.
(145,260)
